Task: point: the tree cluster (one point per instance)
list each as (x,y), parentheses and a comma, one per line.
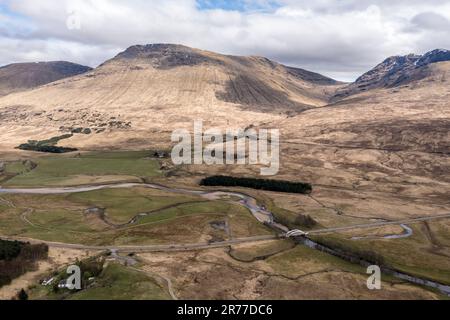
(259,184)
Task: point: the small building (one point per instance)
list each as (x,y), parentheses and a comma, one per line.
(63,284)
(47,282)
(160,154)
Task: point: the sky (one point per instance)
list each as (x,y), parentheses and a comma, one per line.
(338,38)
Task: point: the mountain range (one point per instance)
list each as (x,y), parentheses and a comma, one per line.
(139,96)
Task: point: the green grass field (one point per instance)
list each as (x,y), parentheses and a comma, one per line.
(261,251)
(171,218)
(116,282)
(414,255)
(16,167)
(123,204)
(288,262)
(117,155)
(119,283)
(85,169)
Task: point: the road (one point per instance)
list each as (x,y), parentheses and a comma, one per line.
(205,245)
(149,248)
(381,224)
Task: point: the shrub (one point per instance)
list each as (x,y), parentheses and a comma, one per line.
(48,146)
(9,249)
(19,258)
(22,295)
(46,149)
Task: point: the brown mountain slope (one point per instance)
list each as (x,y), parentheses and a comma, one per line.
(255,83)
(383,153)
(414,116)
(154,88)
(23,76)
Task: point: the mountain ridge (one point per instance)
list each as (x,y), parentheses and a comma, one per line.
(395,71)
(148,91)
(156,88)
(23,76)
(167,55)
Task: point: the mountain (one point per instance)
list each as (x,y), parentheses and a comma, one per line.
(23,76)
(434,56)
(253,82)
(404,106)
(140,96)
(395,71)
(149,89)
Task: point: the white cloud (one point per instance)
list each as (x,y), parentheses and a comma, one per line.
(337,38)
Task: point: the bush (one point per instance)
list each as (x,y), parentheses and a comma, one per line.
(259,184)
(22,295)
(18,259)
(46,149)
(9,249)
(48,146)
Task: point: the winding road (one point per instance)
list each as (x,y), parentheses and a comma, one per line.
(149,248)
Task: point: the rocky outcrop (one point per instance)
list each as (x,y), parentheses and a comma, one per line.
(163,56)
(434,56)
(395,71)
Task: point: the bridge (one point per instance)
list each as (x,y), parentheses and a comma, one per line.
(296,233)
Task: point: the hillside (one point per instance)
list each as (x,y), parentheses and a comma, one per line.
(23,76)
(414,116)
(146,90)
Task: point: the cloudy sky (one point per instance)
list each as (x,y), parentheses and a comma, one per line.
(339,38)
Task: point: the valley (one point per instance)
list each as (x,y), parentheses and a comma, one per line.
(377,160)
(95,218)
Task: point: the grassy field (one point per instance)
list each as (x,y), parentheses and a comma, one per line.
(170,218)
(117,155)
(287,263)
(164,217)
(347,279)
(119,283)
(122,205)
(17,167)
(86,168)
(115,282)
(61,220)
(260,251)
(414,255)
